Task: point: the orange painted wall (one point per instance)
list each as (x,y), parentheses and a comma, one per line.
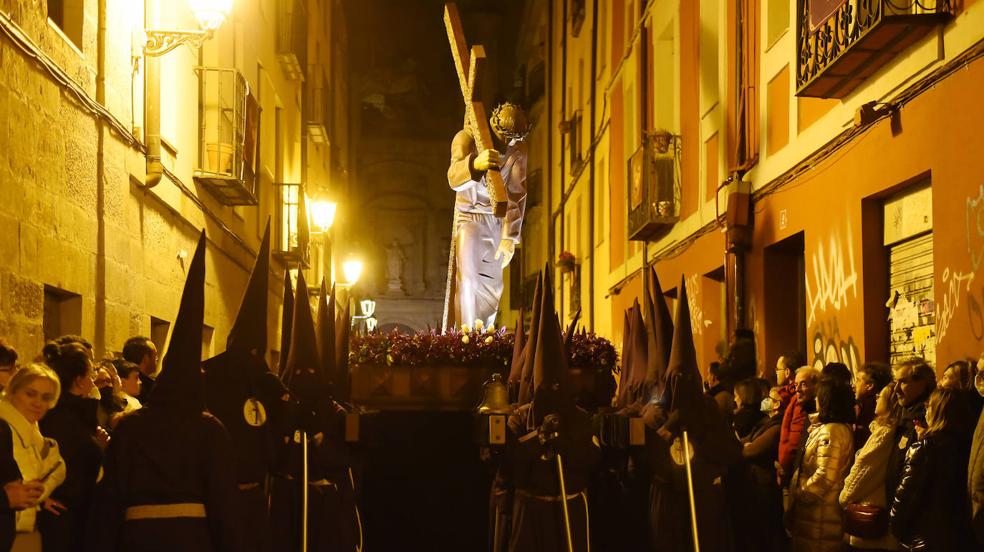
(711,167)
(621,302)
(826,204)
(616,170)
(689,105)
(618,31)
(777,106)
(809,111)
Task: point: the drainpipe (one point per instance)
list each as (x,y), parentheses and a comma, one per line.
(593,79)
(152,110)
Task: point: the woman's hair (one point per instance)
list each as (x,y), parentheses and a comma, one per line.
(66,339)
(837,371)
(124,367)
(964,370)
(878,373)
(835,402)
(70,361)
(749,391)
(29,373)
(949,410)
(8,356)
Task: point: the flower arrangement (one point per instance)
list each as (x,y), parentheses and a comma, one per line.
(566,261)
(471,346)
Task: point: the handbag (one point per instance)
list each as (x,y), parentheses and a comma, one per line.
(865,521)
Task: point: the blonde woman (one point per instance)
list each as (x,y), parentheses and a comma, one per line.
(31,392)
(865,484)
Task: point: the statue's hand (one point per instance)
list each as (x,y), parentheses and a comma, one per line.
(505,252)
(488,159)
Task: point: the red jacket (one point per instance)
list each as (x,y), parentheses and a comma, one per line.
(786,394)
(794,422)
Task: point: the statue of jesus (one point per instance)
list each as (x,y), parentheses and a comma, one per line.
(484,245)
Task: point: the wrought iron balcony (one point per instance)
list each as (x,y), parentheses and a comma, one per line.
(292,35)
(317,104)
(843,42)
(228,136)
(654,186)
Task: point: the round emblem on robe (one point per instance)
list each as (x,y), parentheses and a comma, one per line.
(254,412)
(676,451)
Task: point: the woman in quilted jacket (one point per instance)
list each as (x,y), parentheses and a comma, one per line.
(865,484)
(814,518)
(931,510)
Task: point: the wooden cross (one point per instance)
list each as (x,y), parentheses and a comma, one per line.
(469,68)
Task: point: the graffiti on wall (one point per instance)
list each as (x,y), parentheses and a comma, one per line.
(975,228)
(694,301)
(829,346)
(955,285)
(835,279)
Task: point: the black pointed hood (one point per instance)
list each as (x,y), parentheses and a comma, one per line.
(572,328)
(529,353)
(303,363)
(249,331)
(341,378)
(519,342)
(683,380)
(179,385)
(660,340)
(326,333)
(286,321)
(552,393)
(625,378)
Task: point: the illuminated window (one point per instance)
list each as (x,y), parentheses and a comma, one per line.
(68,16)
(288,216)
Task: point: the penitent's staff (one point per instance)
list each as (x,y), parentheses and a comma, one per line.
(304,492)
(690,490)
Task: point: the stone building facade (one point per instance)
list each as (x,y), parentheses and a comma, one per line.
(96,237)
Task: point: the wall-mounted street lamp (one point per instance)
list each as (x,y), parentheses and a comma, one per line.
(368,307)
(211,14)
(322,215)
(351,269)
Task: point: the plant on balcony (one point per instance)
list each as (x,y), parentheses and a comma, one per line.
(566,261)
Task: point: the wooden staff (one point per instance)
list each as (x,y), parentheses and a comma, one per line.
(690,490)
(304,493)
(563,502)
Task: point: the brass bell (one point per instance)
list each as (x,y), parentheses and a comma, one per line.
(496,400)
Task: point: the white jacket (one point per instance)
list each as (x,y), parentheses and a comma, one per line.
(866,481)
(36,457)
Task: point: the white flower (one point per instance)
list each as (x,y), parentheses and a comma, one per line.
(479,325)
(465,339)
(389,360)
(490,329)
(465,328)
(488,339)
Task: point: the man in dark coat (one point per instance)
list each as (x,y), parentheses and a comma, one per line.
(551,426)
(17,495)
(712,446)
(168,483)
(975,468)
(250,401)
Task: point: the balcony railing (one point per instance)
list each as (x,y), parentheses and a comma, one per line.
(228,136)
(317,104)
(843,42)
(292,37)
(654,186)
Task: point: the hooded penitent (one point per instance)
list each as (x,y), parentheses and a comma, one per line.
(326,334)
(660,339)
(239,388)
(526,377)
(622,399)
(640,353)
(683,382)
(286,320)
(552,393)
(341,378)
(516,366)
(179,386)
(303,363)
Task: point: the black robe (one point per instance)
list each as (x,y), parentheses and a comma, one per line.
(538,524)
(714,448)
(168,456)
(231,379)
(8,472)
(72,423)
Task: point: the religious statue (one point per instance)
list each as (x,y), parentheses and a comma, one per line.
(394,267)
(483,245)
